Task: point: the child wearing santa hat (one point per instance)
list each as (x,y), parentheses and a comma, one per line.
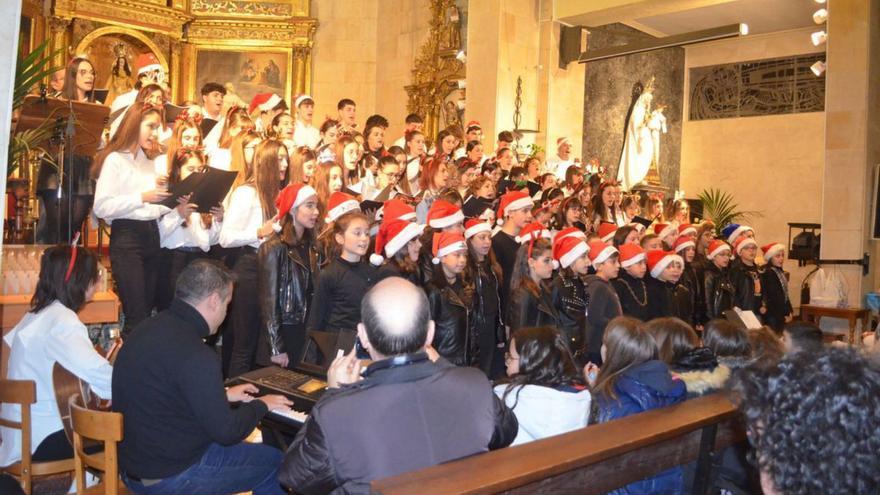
(288,262)
(689,290)
(603,303)
(667,233)
(628,234)
(531,302)
(571,254)
(774,282)
(338,204)
(665,268)
(514,212)
(745,274)
(451,298)
(263,109)
(442,216)
(718,290)
(486,273)
(630,282)
(397,250)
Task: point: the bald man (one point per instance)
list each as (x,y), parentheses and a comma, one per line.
(407,410)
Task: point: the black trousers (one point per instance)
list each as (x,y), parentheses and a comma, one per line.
(244,317)
(173,261)
(294,338)
(135,258)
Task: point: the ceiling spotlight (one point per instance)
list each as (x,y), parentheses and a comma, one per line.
(820,16)
(818,68)
(743,29)
(819,37)
(463,58)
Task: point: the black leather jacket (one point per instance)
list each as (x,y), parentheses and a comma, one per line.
(746,281)
(487,302)
(526,310)
(454,336)
(719,292)
(285,286)
(570,301)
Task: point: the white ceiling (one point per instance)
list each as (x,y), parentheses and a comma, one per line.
(762,16)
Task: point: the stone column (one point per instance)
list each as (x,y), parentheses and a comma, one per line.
(59,36)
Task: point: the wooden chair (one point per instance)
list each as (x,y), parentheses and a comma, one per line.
(24,393)
(105,427)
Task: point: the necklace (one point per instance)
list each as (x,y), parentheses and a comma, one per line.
(644,300)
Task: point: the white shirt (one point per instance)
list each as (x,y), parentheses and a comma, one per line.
(125,100)
(557,166)
(306,135)
(220,158)
(242,219)
(544,412)
(55,334)
(212,140)
(401,141)
(173,234)
(118,191)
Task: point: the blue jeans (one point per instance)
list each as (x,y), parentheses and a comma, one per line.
(239,468)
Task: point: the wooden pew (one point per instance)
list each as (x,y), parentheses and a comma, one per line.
(591,460)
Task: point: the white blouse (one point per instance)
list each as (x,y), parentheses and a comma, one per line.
(55,334)
(242,219)
(118,191)
(306,135)
(173,234)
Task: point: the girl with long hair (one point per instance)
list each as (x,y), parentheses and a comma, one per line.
(79,80)
(398,241)
(603,207)
(247,224)
(531,301)
(486,276)
(243,150)
(329,132)
(125,195)
(303,163)
(569,214)
(416,151)
(433,180)
(545,389)
(288,264)
(187,134)
(347,157)
(218,142)
(328,180)
(450,298)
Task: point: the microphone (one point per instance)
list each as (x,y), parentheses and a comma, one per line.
(71,121)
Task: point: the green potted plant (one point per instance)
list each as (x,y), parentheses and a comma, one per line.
(720,208)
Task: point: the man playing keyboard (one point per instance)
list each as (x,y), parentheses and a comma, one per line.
(181,436)
(409,411)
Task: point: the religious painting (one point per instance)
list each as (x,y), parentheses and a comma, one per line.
(244,72)
(452,110)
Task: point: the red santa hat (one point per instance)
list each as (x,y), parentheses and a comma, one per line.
(511,201)
(302,99)
(686,229)
(339,204)
(392,237)
(447,243)
(717,247)
(606,231)
(264,101)
(600,252)
(444,214)
(742,243)
(771,250)
(659,260)
(474,226)
(395,209)
(147,62)
(531,231)
(568,249)
(683,243)
(289,198)
(630,254)
(561,141)
(570,232)
(664,229)
(473,123)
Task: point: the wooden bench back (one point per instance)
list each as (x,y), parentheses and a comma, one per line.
(592,460)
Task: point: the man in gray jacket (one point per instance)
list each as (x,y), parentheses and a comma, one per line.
(409,409)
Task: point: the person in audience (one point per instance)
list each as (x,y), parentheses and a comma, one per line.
(531,299)
(545,389)
(729,342)
(802,414)
(569,293)
(413,412)
(720,293)
(451,298)
(801,336)
(695,364)
(631,380)
(603,304)
(49,333)
(180,433)
(774,285)
(486,274)
(630,284)
(767,349)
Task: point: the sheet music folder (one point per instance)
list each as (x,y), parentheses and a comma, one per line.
(208,189)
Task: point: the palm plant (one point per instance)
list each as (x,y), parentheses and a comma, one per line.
(29,71)
(720,208)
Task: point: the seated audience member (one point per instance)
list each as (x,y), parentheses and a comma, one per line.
(813,422)
(801,336)
(766,347)
(180,434)
(50,333)
(729,342)
(408,411)
(680,348)
(546,390)
(633,380)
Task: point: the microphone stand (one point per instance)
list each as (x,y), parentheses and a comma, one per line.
(68,135)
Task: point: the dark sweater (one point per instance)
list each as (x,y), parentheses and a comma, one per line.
(336,304)
(660,298)
(169,386)
(505,248)
(633,295)
(604,306)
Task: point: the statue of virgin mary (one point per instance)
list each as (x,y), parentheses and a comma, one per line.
(638,143)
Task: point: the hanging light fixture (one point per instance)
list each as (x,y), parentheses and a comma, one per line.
(820,16)
(819,37)
(820,1)
(818,68)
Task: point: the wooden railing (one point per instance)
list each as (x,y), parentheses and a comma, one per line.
(592,460)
